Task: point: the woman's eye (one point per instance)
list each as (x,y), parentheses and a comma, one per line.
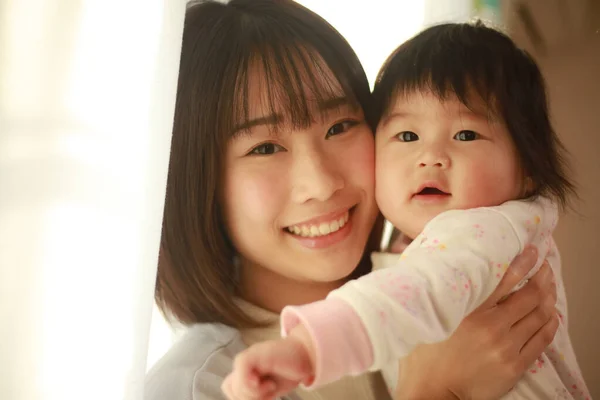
(407,136)
(340,127)
(266,149)
(466,136)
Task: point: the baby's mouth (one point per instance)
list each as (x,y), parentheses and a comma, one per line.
(432,191)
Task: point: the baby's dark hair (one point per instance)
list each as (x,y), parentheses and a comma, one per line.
(462,59)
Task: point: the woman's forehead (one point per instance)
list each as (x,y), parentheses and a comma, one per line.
(296,90)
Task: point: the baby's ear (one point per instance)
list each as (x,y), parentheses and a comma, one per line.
(528,186)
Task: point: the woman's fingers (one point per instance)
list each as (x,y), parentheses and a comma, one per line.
(537,291)
(524,329)
(517,271)
(538,343)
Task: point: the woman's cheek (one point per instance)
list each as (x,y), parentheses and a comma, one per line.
(254,194)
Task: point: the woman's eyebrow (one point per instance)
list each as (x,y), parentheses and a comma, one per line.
(333,102)
(273,119)
(277,119)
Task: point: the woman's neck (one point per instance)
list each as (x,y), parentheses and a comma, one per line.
(271,291)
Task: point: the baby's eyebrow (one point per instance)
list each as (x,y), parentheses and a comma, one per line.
(395,115)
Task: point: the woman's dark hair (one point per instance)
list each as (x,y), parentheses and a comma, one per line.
(457,59)
(302,59)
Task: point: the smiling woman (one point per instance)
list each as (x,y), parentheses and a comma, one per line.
(283,139)
(270,195)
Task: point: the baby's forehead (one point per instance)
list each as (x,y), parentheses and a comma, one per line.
(416,101)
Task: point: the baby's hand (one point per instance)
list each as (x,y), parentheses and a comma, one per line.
(269,369)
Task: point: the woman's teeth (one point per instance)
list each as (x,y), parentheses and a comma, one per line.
(322,229)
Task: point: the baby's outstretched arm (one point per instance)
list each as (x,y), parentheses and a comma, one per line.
(271,369)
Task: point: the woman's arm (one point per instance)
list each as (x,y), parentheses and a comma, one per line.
(492,348)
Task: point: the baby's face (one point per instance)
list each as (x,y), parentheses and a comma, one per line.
(433,156)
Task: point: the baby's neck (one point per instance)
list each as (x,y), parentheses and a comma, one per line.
(400,243)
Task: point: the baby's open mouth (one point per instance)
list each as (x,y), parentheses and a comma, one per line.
(432,191)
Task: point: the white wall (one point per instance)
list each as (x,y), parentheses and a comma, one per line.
(372,28)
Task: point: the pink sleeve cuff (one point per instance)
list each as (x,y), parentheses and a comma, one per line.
(340,339)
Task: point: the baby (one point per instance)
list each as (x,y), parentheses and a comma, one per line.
(469,167)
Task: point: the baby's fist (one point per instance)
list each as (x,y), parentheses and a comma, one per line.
(269,369)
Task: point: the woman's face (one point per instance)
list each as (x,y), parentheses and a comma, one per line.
(299,202)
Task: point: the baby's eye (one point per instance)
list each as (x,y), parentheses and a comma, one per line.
(466,136)
(407,136)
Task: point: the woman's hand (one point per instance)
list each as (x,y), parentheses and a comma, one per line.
(492,348)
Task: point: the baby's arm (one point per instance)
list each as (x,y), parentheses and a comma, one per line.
(450,269)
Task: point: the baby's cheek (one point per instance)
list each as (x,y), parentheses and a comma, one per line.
(486,186)
(392,170)
(358,161)
(390,191)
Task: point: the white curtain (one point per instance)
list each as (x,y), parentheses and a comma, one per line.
(87,92)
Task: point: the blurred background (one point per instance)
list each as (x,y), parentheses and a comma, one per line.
(86,89)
